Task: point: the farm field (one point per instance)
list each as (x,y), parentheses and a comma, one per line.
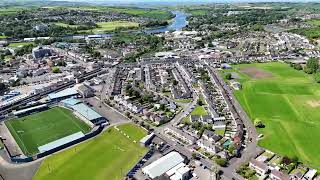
(288,103)
(110,155)
(38,129)
(110,26)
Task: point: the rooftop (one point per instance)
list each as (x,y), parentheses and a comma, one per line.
(63,93)
(162,165)
(86,111)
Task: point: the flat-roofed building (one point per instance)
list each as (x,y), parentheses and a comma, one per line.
(162,165)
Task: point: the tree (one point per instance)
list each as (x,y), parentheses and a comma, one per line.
(194,155)
(200,103)
(221,161)
(55,70)
(286,160)
(313,64)
(174,82)
(258,123)
(307,70)
(228,76)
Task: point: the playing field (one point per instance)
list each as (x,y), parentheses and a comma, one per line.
(38,129)
(288,103)
(110,155)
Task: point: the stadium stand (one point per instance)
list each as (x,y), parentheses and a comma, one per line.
(30,110)
(88,113)
(64,94)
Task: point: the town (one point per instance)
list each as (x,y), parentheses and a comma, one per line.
(150,93)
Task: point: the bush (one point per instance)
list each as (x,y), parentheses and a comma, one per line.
(221,162)
(297,67)
(258,123)
(228,76)
(56,70)
(307,70)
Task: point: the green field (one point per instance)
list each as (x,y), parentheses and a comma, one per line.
(199,110)
(288,103)
(19,44)
(108,156)
(133,132)
(110,26)
(66,25)
(38,129)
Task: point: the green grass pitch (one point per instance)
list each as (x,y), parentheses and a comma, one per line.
(110,155)
(289,105)
(41,128)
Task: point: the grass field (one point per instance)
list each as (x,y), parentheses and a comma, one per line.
(199,110)
(110,26)
(108,156)
(288,103)
(44,127)
(66,25)
(19,44)
(133,132)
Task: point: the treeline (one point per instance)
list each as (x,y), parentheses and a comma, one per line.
(156,23)
(312,67)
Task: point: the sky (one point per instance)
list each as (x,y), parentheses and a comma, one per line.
(186,1)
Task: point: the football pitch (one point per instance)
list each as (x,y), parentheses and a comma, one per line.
(288,103)
(110,155)
(41,128)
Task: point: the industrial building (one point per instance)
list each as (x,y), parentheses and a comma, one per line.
(171,165)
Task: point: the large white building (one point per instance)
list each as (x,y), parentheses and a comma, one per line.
(171,164)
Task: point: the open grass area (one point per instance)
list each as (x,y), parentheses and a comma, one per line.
(133,131)
(2,37)
(38,129)
(200,111)
(110,26)
(108,156)
(183,101)
(288,103)
(66,25)
(19,44)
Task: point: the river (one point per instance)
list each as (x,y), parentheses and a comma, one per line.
(179,22)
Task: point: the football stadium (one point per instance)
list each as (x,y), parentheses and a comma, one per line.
(44,129)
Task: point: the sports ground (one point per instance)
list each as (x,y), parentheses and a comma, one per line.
(41,128)
(288,103)
(110,155)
